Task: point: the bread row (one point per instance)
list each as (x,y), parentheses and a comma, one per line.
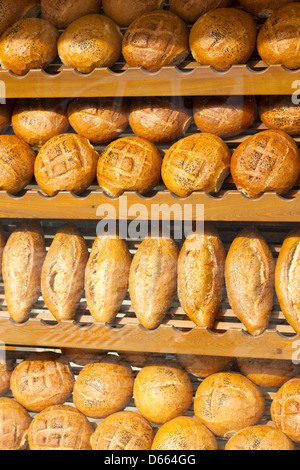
(170,414)
(219,38)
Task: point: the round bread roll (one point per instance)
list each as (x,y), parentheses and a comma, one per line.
(223,37)
(267,373)
(203,366)
(60,427)
(266,161)
(263,8)
(67,162)
(225,116)
(89,42)
(62,13)
(43,379)
(16,164)
(227,402)
(190,10)
(14,423)
(104,387)
(155,40)
(125,13)
(38,38)
(260,437)
(285,409)
(280,113)
(125,430)
(136,359)
(12,11)
(83,357)
(38,120)
(6,369)
(162,391)
(159,119)
(199,162)
(100,120)
(278,39)
(129,164)
(5,116)
(184,433)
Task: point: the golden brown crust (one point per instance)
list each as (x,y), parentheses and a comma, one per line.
(22,261)
(60,427)
(106,277)
(155,40)
(5,115)
(263,8)
(266,161)
(6,368)
(12,11)
(200,162)
(67,162)
(125,430)
(278,39)
(125,13)
(267,373)
(89,42)
(14,423)
(63,12)
(191,10)
(153,280)
(223,37)
(201,283)
(203,366)
(260,437)
(250,290)
(39,45)
(129,163)
(83,357)
(285,409)
(62,279)
(2,245)
(279,112)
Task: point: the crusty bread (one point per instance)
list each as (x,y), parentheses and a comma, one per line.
(12,11)
(5,115)
(14,423)
(285,409)
(191,10)
(203,366)
(124,13)
(260,437)
(263,8)
(6,368)
(279,112)
(62,13)
(267,373)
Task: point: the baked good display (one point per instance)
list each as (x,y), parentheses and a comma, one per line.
(250,291)
(43,379)
(223,37)
(162,391)
(37,120)
(39,45)
(184,433)
(5,115)
(89,42)
(14,423)
(202,366)
(60,427)
(278,39)
(200,280)
(153,280)
(125,430)
(227,402)
(100,120)
(104,387)
(225,116)
(260,437)
(14,10)
(280,112)
(155,40)
(62,279)
(267,373)
(191,10)
(106,277)
(22,262)
(83,357)
(159,119)
(199,162)
(125,13)
(16,164)
(63,13)
(266,161)
(66,162)
(129,164)
(263,8)
(285,409)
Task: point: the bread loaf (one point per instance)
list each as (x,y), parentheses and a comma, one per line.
(260,437)
(22,262)
(129,164)
(67,162)
(223,37)
(191,10)
(14,10)
(203,366)
(278,39)
(14,423)
(153,279)
(5,116)
(263,8)
(106,277)
(125,430)
(6,368)
(267,373)
(16,164)
(155,40)
(279,112)
(83,357)
(125,13)
(62,13)
(84,52)
(137,359)
(199,162)
(266,161)
(38,40)
(2,245)
(227,402)
(201,283)
(249,274)
(285,409)
(62,279)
